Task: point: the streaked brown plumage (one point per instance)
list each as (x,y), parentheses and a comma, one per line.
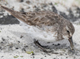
(45,19)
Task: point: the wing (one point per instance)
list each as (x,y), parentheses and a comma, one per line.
(39,18)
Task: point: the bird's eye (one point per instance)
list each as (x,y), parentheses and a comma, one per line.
(67,31)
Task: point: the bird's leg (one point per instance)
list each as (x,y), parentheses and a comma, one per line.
(41,47)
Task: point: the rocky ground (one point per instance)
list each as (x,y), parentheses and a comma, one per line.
(15,42)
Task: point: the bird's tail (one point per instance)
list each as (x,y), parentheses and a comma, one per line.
(15,13)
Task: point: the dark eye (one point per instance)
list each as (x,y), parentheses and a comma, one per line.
(67,31)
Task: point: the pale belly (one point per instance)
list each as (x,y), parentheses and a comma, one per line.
(39,34)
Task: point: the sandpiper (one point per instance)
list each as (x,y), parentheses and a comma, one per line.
(53,26)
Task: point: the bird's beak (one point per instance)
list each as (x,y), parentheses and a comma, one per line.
(71,42)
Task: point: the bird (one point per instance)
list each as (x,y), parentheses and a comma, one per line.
(53,26)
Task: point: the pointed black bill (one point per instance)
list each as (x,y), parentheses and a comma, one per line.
(71,43)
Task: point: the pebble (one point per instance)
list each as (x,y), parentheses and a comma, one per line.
(51,3)
(1,48)
(25,46)
(44,5)
(54,58)
(28,2)
(22,1)
(2,56)
(1,42)
(37,9)
(17,48)
(3,39)
(10,46)
(18,41)
(21,36)
(41,58)
(66,57)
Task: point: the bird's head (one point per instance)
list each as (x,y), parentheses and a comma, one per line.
(68,31)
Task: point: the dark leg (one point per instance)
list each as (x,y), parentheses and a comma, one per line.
(39,45)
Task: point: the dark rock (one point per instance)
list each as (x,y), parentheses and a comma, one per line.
(8,20)
(22,10)
(28,7)
(64,15)
(28,2)
(18,41)
(34,6)
(7,36)
(21,0)
(3,39)
(54,9)
(45,55)
(10,46)
(66,57)
(41,58)
(71,13)
(58,44)
(21,36)
(51,3)
(66,54)
(1,42)
(25,46)
(0,47)
(44,5)
(52,44)
(24,49)
(33,54)
(2,56)
(48,42)
(37,9)
(17,48)
(78,10)
(54,58)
